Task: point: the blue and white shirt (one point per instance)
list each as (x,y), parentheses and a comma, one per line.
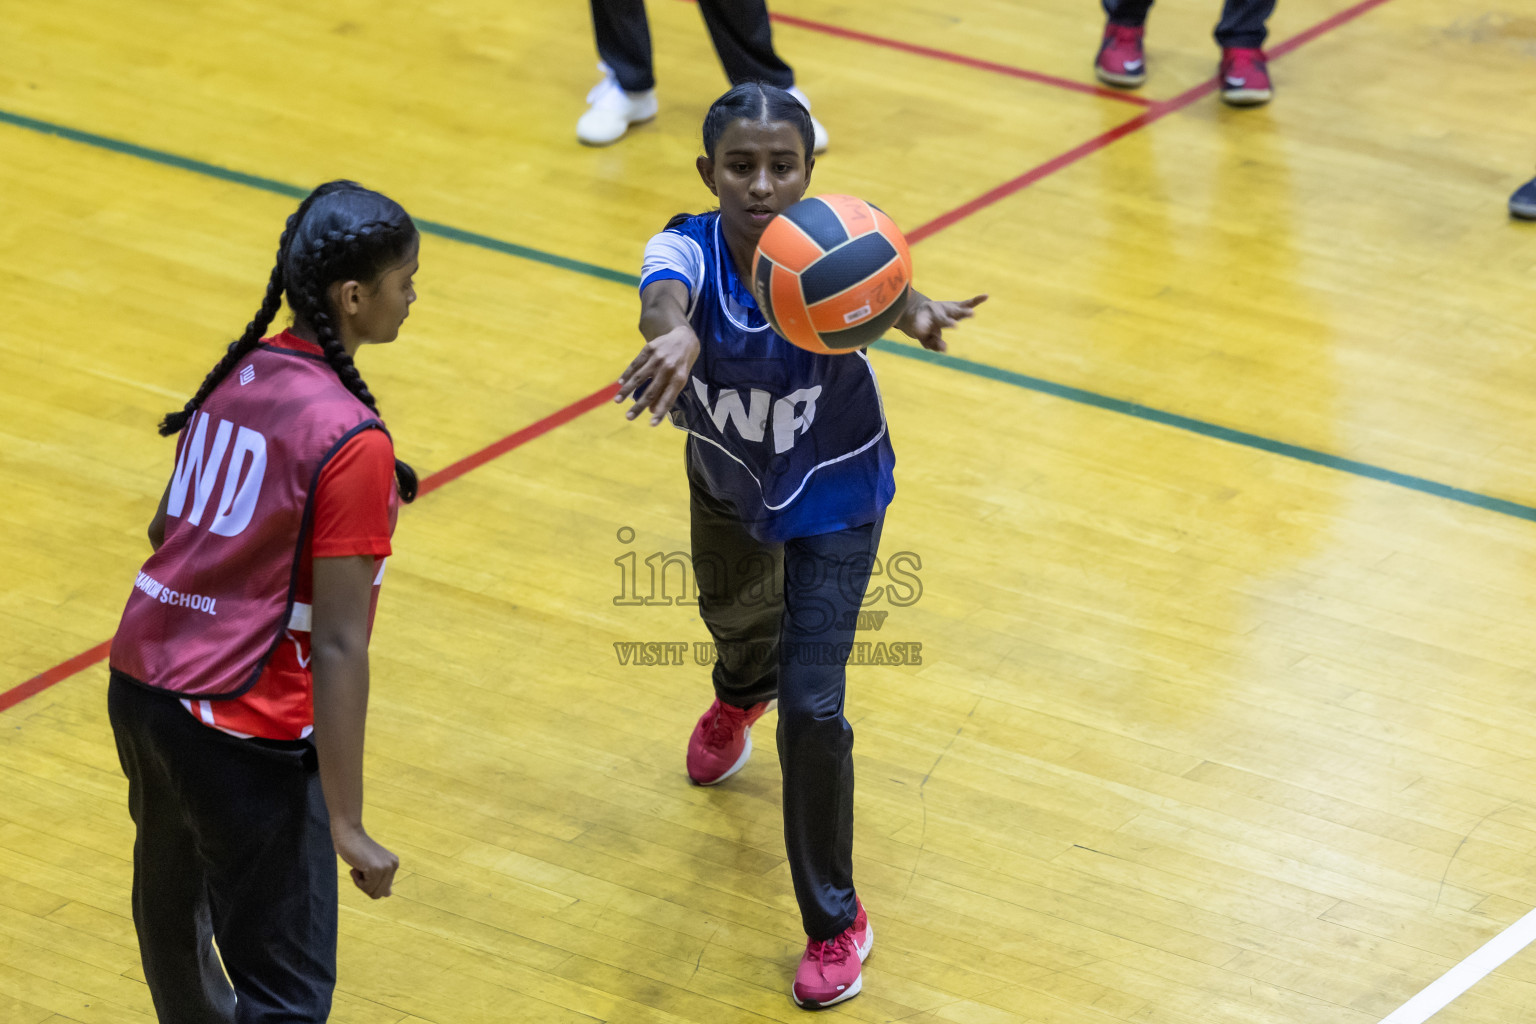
(795,442)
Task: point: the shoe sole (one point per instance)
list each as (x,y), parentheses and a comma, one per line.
(632,124)
(1524,211)
(1117,80)
(1247,97)
(858,983)
(811,1004)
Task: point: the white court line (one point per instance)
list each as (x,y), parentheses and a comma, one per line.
(1465,974)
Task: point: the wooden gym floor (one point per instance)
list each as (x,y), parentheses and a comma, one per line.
(1220,524)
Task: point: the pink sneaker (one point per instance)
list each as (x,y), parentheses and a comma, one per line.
(722,742)
(1121,62)
(1245,77)
(832,971)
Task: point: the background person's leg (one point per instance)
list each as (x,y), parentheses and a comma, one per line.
(627,94)
(743,38)
(1243,23)
(1132,13)
(624,42)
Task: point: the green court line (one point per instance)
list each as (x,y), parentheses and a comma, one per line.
(152,155)
(1037,384)
(1170,419)
(293,191)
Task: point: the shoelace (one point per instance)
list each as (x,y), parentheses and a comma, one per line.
(831,951)
(1243,65)
(609,83)
(1124,33)
(727,720)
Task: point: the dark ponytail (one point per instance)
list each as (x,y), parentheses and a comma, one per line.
(341,232)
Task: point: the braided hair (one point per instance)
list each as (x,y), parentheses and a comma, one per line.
(340,232)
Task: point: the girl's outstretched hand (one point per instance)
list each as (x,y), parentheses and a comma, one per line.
(659,373)
(925,320)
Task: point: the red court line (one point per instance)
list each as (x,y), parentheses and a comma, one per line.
(958,58)
(1056,163)
(1326,25)
(80,662)
(962,59)
(450,473)
(38,683)
(1157,112)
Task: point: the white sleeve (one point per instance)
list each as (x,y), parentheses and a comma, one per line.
(673,255)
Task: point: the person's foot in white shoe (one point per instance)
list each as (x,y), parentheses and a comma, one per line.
(612,111)
(820,133)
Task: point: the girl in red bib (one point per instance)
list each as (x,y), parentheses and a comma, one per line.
(239,682)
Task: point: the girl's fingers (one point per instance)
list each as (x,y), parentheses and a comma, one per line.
(662,392)
(653,392)
(374,882)
(633,374)
(667,397)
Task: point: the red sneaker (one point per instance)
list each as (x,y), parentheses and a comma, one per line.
(1245,77)
(1121,62)
(832,971)
(722,742)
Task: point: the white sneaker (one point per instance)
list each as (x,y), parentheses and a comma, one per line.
(612,111)
(820,145)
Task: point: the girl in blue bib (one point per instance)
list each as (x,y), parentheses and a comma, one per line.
(789,467)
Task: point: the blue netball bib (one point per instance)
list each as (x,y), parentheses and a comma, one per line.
(795,442)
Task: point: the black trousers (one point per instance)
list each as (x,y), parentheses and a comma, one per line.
(782,616)
(1242,21)
(740,30)
(234,846)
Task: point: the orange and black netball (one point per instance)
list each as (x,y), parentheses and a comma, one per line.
(832,273)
